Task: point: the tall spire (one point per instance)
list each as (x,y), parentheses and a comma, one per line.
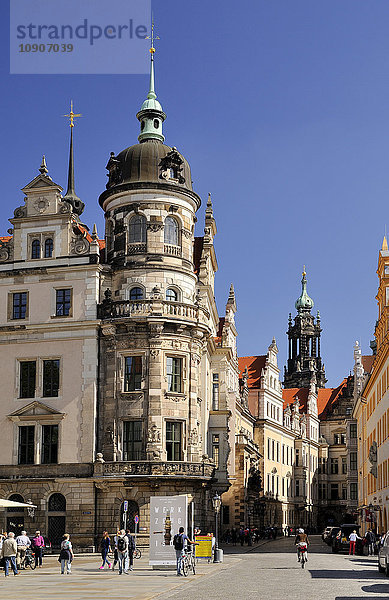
(304,302)
(71,196)
(151,115)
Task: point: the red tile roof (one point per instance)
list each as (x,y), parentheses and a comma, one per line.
(5,239)
(88,236)
(326,397)
(255,365)
(367,362)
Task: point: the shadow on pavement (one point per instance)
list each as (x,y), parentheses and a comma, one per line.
(379,588)
(344,574)
(359,598)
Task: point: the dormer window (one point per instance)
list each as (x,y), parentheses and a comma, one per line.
(49,248)
(171,231)
(172,173)
(35,249)
(156,123)
(171,295)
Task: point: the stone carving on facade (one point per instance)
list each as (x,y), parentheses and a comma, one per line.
(99,458)
(114,175)
(154,353)
(186,233)
(132,396)
(79,246)
(41,204)
(195,358)
(102,485)
(65,207)
(4,254)
(154,434)
(172,162)
(193,437)
(155,226)
(155,329)
(20,212)
(175,397)
(373,459)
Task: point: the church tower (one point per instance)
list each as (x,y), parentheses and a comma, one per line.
(304,358)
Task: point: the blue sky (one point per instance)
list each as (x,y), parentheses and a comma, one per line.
(281,109)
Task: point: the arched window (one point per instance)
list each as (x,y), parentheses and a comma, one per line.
(171,231)
(49,248)
(57,503)
(171,295)
(136,293)
(16,498)
(36,249)
(137,230)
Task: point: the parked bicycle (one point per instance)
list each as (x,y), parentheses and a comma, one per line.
(137,553)
(29,559)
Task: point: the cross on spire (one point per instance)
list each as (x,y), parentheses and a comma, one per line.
(152,37)
(72,115)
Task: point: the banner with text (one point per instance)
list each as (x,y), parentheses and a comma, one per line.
(167,515)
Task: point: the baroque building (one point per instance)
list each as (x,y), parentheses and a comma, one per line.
(120,380)
(372,413)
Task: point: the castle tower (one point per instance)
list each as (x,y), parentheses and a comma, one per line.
(304,357)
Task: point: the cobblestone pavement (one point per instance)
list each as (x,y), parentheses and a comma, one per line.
(269,572)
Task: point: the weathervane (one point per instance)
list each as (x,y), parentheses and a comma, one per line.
(72,115)
(152,37)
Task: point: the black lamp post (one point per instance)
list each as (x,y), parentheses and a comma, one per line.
(217,502)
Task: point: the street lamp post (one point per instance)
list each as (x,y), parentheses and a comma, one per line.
(217,502)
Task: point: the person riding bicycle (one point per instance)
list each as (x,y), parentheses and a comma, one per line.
(301,538)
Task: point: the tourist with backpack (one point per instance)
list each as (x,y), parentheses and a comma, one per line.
(180,542)
(131,547)
(122,548)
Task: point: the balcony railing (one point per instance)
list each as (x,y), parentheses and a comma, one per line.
(148,308)
(136,248)
(155,469)
(172,250)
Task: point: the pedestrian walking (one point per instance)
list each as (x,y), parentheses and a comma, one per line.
(115,550)
(129,566)
(180,542)
(122,546)
(353,537)
(370,541)
(8,552)
(66,555)
(38,544)
(23,542)
(105,546)
(234,536)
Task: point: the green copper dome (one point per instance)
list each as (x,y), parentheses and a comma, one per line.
(304,302)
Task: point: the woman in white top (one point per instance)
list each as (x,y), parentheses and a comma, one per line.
(66,555)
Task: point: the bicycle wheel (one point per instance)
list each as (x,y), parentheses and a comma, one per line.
(193,565)
(32,565)
(137,553)
(185,568)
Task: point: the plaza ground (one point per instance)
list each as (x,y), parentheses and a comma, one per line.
(269,571)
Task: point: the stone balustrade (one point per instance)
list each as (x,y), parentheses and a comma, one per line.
(155,469)
(148,308)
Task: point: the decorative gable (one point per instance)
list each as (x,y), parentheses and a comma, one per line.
(36,411)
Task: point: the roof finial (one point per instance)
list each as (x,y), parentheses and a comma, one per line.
(151,115)
(71,196)
(304,302)
(43,168)
(384,243)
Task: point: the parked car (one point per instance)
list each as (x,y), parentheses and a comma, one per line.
(383,555)
(326,533)
(341,543)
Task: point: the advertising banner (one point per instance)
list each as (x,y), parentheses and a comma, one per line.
(167,515)
(204,548)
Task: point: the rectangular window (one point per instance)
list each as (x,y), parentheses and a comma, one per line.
(132,373)
(344,465)
(132,440)
(173,440)
(215,391)
(353,491)
(49,444)
(336,438)
(353,430)
(297,457)
(174,374)
(50,378)
(344,492)
(272,449)
(26,445)
(283,454)
(269,448)
(342,438)
(27,379)
(215,449)
(19,305)
(334,491)
(63,303)
(334,466)
(353,461)
(297,487)
(278,451)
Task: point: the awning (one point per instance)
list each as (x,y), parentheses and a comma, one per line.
(11,504)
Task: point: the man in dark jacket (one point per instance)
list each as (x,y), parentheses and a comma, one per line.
(370,540)
(131,548)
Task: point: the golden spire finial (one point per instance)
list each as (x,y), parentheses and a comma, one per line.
(72,115)
(384,243)
(152,37)
(304,272)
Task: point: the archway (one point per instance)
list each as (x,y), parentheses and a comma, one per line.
(127,521)
(15,515)
(56,521)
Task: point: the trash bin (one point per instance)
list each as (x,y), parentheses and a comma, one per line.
(218,555)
